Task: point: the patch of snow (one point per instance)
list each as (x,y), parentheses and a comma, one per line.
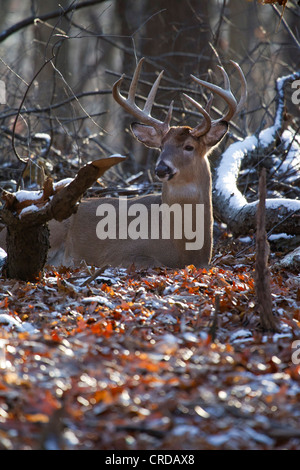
(99,299)
(62,183)
(292,259)
(240,334)
(167,319)
(278,236)
(259,437)
(24,195)
(117,155)
(43,136)
(278,336)
(168,344)
(266,136)
(228,171)
(290,204)
(220,439)
(111,156)
(9,322)
(273,203)
(245,239)
(185,429)
(3,256)
(188,336)
(229,167)
(28,210)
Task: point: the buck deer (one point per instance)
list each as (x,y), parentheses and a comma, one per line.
(183,168)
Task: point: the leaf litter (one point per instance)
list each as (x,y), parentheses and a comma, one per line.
(146,359)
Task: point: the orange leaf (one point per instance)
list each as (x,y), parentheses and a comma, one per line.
(37,418)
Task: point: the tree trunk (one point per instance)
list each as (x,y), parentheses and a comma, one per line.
(27,248)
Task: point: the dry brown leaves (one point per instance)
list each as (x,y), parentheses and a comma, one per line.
(126,361)
(280,2)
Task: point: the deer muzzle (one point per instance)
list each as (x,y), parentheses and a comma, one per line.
(164,172)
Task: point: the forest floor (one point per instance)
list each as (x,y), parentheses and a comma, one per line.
(150,359)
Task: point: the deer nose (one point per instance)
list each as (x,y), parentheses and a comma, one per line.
(163,171)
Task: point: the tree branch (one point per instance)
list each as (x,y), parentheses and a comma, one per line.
(47,16)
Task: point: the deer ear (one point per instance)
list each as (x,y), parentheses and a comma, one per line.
(146,134)
(216,133)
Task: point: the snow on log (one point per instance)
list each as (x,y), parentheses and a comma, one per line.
(282,215)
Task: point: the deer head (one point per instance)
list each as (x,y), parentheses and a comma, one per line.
(182,147)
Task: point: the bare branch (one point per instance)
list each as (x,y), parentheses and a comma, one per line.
(48,16)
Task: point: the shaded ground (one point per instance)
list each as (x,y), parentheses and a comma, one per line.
(127,361)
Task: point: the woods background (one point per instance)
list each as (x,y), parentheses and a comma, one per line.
(161,358)
(59,70)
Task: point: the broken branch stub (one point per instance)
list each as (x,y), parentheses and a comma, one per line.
(27,236)
(262,273)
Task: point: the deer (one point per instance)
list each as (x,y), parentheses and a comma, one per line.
(184,170)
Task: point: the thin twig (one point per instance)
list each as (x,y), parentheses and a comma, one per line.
(93,276)
(46,109)
(282,19)
(47,16)
(22,160)
(214,325)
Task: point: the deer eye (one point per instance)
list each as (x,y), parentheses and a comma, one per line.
(188,148)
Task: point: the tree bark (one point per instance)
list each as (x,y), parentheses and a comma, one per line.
(27,250)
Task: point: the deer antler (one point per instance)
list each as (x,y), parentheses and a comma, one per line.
(226,93)
(143,115)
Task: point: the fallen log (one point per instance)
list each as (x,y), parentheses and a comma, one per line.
(231,206)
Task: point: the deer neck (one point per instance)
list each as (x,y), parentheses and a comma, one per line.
(192,189)
(197,190)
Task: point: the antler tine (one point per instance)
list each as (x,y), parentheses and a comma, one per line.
(169,115)
(244,93)
(226,94)
(152,94)
(150,100)
(204,126)
(134,82)
(130,106)
(225,78)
